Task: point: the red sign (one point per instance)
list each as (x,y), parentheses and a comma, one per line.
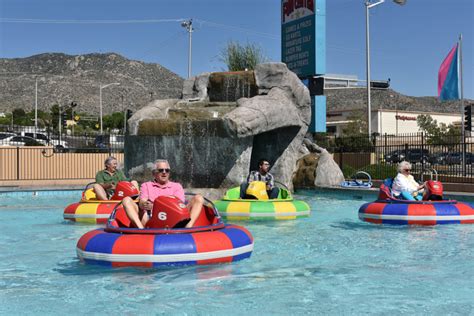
(291,5)
(405,118)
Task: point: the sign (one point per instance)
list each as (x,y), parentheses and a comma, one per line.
(298,36)
(405,118)
(303,50)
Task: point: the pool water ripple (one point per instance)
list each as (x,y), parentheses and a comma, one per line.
(329,263)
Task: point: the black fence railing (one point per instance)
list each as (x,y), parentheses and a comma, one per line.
(451,156)
(25,155)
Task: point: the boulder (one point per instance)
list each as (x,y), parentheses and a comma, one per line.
(214,138)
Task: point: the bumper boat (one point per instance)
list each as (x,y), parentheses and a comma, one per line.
(164,241)
(355,182)
(259,206)
(432,210)
(90,210)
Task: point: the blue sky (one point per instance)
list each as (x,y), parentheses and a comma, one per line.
(408,43)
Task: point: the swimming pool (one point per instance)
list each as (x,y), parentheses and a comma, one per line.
(329,263)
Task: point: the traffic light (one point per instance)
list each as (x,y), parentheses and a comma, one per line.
(316,86)
(468,117)
(129,114)
(64,119)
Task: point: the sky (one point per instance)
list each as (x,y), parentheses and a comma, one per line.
(408,43)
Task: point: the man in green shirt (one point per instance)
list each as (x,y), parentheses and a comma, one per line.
(107,179)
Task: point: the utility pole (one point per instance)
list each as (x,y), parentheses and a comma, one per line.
(36,104)
(124,115)
(188,25)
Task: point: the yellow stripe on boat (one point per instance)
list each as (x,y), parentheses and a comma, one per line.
(285,208)
(240,208)
(86,209)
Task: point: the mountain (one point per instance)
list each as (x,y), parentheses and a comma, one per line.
(356,98)
(63,79)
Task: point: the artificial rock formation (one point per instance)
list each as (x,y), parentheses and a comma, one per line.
(223,125)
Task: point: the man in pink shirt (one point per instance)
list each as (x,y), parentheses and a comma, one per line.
(161,185)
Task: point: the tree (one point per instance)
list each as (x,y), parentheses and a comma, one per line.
(354,137)
(238,57)
(19,117)
(357,124)
(114,120)
(438,134)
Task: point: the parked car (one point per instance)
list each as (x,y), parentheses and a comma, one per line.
(437,158)
(451,158)
(19,141)
(4,135)
(109,141)
(455,158)
(411,155)
(45,140)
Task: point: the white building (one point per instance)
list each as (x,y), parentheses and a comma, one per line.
(385,121)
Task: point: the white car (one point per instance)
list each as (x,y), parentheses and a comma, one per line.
(42,138)
(17,140)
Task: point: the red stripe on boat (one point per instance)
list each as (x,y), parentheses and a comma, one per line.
(71,209)
(465,210)
(84,240)
(421,210)
(105,208)
(134,245)
(212,241)
(377,209)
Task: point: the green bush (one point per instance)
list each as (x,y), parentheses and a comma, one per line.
(377,172)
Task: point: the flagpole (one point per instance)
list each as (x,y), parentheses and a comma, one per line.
(463,119)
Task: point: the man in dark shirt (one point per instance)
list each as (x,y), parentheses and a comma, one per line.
(261,174)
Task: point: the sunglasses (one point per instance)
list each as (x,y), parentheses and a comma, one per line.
(163,170)
(407,170)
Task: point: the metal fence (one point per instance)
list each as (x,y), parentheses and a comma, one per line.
(450,156)
(48,156)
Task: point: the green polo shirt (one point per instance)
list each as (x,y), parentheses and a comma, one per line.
(104,177)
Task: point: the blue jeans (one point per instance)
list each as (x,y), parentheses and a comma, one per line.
(408,196)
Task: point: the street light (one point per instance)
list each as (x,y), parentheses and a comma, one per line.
(100,101)
(370,5)
(188,25)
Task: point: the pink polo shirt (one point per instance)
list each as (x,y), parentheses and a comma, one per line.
(151,190)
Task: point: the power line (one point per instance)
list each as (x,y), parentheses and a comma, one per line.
(56,21)
(135,21)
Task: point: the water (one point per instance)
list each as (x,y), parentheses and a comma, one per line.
(330,263)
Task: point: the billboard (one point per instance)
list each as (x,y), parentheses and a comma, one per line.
(303,36)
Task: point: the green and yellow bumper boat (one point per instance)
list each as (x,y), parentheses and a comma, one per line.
(232,207)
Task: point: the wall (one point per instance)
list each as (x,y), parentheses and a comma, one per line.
(28,163)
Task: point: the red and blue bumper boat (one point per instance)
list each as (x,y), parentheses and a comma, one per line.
(432,210)
(165,241)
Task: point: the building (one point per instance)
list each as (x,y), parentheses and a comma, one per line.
(392,113)
(388,121)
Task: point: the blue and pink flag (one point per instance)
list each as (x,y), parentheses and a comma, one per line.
(448,82)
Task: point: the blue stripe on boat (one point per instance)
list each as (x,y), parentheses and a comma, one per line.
(174,244)
(237,236)
(103,242)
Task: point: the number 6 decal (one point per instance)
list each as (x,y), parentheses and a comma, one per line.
(162,216)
